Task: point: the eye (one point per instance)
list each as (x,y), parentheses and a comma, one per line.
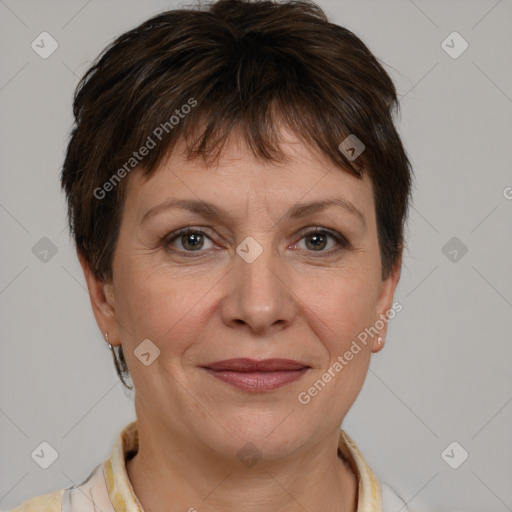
(190,240)
(317,239)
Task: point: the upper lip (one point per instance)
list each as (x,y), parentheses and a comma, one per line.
(253,365)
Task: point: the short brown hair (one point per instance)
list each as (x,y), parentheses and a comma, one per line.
(235,64)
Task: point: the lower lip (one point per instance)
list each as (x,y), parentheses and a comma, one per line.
(258,381)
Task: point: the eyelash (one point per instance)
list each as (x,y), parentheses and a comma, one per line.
(342,242)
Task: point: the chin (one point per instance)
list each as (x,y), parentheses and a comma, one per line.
(265,431)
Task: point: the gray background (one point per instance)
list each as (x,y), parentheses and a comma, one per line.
(445,373)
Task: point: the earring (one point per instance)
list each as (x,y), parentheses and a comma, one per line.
(380,341)
(109,345)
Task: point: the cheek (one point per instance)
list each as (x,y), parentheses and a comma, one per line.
(341,316)
(344,307)
(155,304)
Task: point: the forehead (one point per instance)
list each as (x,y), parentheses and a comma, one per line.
(237,176)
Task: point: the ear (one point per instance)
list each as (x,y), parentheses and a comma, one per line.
(385,302)
(103,302)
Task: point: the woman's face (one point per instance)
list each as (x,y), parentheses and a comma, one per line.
(252,281)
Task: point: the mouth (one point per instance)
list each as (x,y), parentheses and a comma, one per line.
(257,376)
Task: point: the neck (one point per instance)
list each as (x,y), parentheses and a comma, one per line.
(169,474)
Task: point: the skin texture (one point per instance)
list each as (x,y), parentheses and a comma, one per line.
(297,300)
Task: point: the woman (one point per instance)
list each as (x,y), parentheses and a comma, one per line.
(237,193)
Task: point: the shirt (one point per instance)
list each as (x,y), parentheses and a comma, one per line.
(108,487)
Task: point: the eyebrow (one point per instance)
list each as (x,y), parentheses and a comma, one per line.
(210,210)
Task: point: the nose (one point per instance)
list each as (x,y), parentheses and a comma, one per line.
(260,294)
